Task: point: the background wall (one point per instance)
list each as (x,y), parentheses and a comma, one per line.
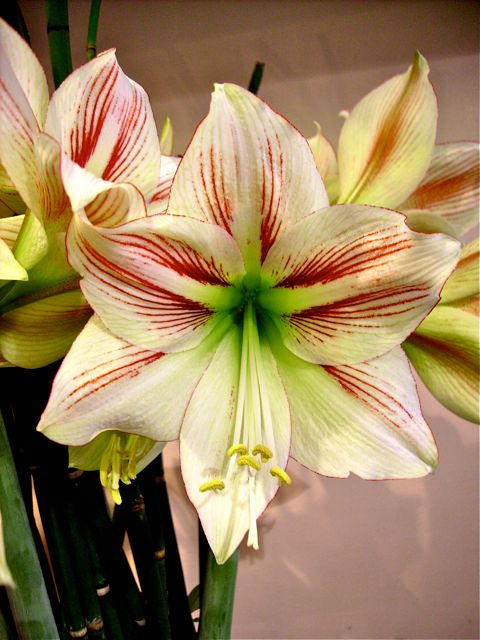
(338,558)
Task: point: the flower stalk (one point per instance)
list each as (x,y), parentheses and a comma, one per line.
(154,489)
(29,599)
(256,78)
(218,596)
(152,581)
(59,40)
(93,28)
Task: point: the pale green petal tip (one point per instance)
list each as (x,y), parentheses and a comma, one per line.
(420,63)
(166,138)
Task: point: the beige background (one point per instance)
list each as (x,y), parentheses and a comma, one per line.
(338,558)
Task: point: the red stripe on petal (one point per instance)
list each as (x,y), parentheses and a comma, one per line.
(126,371)
(358,312)
(84,137)
(372,250)
(362,386)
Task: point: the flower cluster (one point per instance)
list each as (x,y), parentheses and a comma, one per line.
(243,308)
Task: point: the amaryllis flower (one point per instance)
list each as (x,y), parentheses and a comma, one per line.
(445,347)
(93,146)
(252,322)
(387,157)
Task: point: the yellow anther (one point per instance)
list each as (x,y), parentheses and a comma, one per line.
(282,475)
(237,448)
(264,452)
(250,461)
(212,485)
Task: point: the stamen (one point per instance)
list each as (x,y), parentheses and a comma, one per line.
(237,448)
(250,461)
(282,475)
(264,452)
(212,485)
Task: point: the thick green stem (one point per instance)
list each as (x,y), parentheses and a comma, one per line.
(49,491)
(59,39)
(151,577)
(92,29)
(216,608)
(29,600)
(154,489)
(256,78)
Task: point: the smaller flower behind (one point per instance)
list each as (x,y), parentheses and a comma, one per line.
(445,347)
(252,322)
(92,146)
(119,456)
(387,157)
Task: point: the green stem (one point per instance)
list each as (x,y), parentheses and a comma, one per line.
(59,39)
(49,491)
(216,608)
(154,489)
(149,571)
(256,79)
(117,572)
(92,29)
(29,600)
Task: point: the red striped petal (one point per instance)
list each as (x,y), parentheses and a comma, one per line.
(363,419)
(451,186)
(248,170)
(23,100)
(104,123)
(352,282)
(386,143)
(145,385)
(155,281)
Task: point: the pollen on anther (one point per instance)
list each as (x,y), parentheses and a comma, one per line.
(264,452)
(237,448)
(248,460)
(212,485)
(282,475)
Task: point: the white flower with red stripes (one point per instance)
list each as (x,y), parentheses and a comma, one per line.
(252,322)
(94,146)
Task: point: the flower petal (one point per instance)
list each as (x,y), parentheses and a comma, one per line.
(248,170)
(9,229)
(88,457)
(104,123)
(386,144)
(208,432)
(424,221)
(323,154)
(10,200)
(464,281)
(107,384)
(10,268)
(41,332)
(166,137)
(156,281)
(107,204)
(450,187)
(352,282)
(19,124)
(159,200)
(364,419)
(444,351)
(28,70)
(31,243)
